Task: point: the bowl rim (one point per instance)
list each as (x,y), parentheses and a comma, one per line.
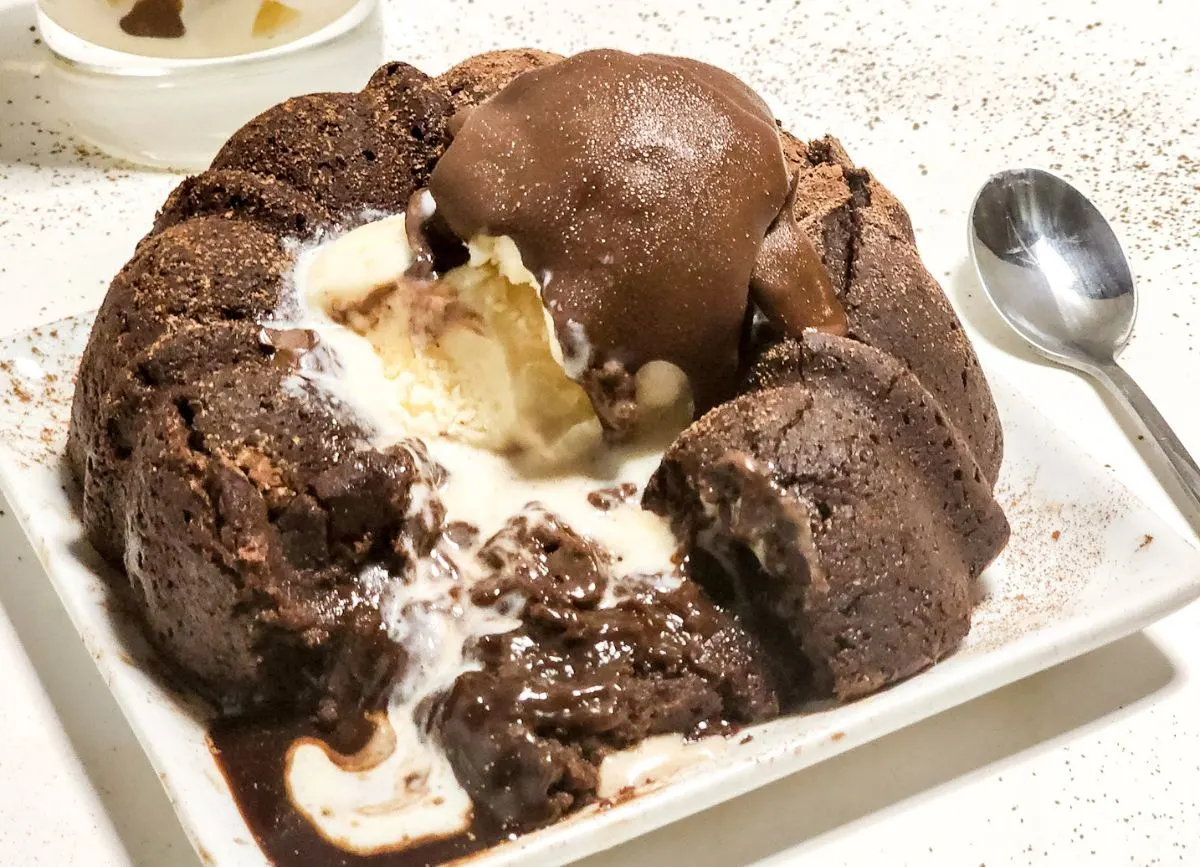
(96,60)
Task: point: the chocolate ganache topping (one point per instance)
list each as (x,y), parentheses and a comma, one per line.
(649,195)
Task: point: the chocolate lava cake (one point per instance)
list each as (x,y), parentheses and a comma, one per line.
(831,500)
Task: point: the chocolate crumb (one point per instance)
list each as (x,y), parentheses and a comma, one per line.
(288,344)
(606,499)
(461,534)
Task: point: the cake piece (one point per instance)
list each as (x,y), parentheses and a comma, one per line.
(351,152)
(207,272)
(891,300)
(845,508)
(251,512)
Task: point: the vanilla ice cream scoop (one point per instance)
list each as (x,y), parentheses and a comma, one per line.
(468,355)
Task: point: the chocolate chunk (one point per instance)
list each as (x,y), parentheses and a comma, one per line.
(461,534)
(367,496)
(606,499)
(288,345)
(537,558)
(611,388)
(526,733)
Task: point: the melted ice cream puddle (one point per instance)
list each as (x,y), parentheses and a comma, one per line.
(409,796)
(405,793)
(654,761)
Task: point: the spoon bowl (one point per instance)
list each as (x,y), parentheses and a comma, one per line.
(1054,269)
(1052,266)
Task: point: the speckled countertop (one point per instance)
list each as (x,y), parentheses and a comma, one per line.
(1097,761)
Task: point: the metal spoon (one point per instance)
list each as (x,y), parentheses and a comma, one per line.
(1053,268)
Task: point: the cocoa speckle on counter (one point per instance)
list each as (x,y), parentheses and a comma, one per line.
(36,388)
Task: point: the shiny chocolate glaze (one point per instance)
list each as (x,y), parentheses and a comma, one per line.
(640,191)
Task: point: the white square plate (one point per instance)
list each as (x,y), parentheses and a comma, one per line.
(1087,564)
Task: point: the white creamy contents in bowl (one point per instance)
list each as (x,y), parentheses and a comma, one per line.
(194,28)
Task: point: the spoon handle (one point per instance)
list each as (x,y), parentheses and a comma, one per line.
(1131,394)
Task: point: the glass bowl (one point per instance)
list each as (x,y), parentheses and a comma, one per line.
(176,112)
